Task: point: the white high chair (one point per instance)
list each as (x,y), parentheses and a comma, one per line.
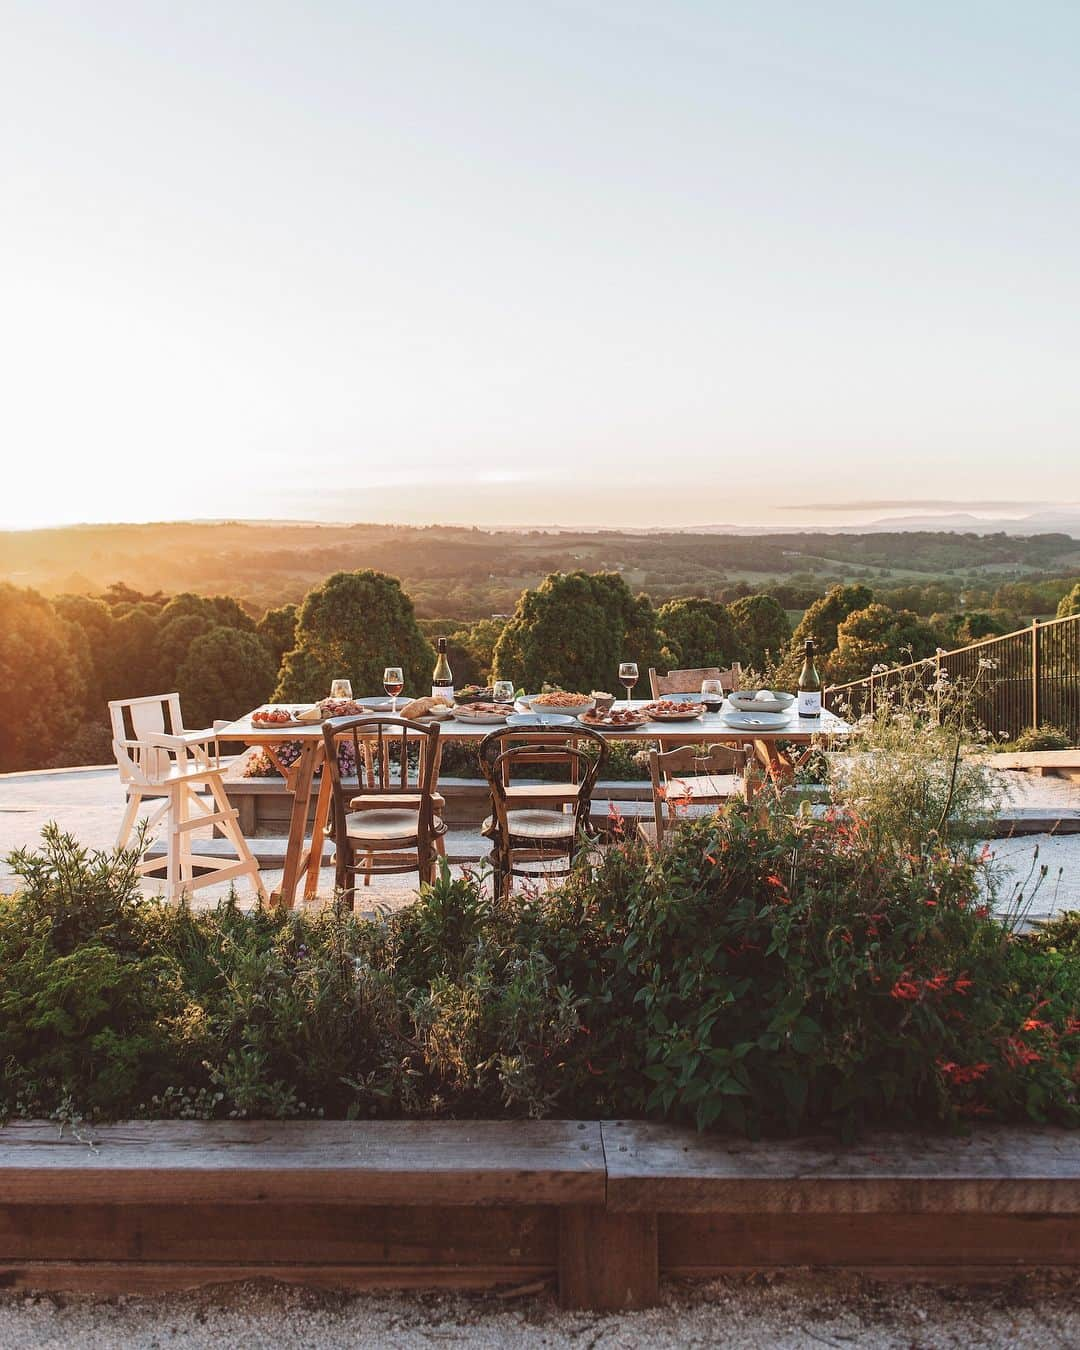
(158,758)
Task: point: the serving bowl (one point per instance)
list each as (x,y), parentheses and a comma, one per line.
(760,700)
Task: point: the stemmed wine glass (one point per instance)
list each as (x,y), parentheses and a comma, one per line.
(393,681)
(712,695)
(628,677)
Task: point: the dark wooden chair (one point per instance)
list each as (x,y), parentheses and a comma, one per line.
(532,826)
(394,827)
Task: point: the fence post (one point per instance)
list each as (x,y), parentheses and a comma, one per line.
(1036,674)
(871,695)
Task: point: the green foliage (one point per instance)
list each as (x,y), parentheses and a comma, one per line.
(879,636)
(354,625)
(762,626)
(767,972)
(1069,604)
(574,630)
(822,620)
(43,674)
(699,632)
(1042,737)
(277,628)
(226,672)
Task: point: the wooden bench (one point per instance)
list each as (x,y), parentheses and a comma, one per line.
(604,1208)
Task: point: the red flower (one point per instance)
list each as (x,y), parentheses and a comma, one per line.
(1017,1054)
(981,911)
(905,989)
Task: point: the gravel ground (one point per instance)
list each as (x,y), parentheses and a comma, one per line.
(803,1310)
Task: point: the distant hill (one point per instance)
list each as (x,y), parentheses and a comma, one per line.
(468,572)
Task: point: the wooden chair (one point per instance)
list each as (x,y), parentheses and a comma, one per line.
(533,825)
(372,798)
(689,681)
(690,777)
(394,827)
(178,768)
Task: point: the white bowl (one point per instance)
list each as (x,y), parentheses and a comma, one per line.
(747,700)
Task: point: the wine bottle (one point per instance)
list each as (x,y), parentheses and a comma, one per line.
(442,681)
(809,685)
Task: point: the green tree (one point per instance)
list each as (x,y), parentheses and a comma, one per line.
(173,641)
(277,628)
(878,635)
(43,678)
(980,623)
(574,630)
(226,672)
(354,625)
(95,620)
(471,650)
(824,617)
(1069,604)
(217,610)
(762,626)
(699,632)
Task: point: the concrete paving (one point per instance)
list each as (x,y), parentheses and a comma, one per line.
(88,803)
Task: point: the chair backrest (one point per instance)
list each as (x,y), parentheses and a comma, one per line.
(508,747)
(666,765)
(133,720)
(382,746)
(689,681)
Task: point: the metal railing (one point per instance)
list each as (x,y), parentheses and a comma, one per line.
(1029,678)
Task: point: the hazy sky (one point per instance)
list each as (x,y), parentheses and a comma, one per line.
(531,261)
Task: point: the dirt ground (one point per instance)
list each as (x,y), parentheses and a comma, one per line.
(800,1310)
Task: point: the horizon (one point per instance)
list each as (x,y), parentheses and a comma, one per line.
(613,264)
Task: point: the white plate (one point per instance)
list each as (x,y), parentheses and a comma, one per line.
(479,718)
(385,704)
(763,721)
(531,719)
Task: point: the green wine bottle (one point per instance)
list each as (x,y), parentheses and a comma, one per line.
(442,681)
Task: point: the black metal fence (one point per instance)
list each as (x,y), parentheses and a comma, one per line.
(1029,678)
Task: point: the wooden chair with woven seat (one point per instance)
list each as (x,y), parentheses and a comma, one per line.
(690,777)
(534,825)
(689,681)
(372,774)
(394,828)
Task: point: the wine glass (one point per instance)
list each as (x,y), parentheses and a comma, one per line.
(628,677)
(712,695)
(341,689)
(393,681)
(502,691)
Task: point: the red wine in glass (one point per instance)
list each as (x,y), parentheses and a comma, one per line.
(393,683)
(628,677)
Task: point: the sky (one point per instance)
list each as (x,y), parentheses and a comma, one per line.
(532,261)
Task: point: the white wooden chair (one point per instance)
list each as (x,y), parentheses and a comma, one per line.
(159,759)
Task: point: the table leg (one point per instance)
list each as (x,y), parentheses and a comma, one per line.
(301,776)
(318,833)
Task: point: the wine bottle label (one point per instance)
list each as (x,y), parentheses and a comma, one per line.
(445,691)
(809,702)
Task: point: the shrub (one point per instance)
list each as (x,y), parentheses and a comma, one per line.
(767,972)
(1040,738)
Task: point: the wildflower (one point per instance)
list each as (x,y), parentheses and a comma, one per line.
(961,985)
(961,1075)
(981,911)
(1034,1024)
(905,989)
(1017,1054)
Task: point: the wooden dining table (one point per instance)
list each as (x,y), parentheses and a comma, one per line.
(303,856)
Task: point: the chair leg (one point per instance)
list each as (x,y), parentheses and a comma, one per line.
(130,812)
(177,809)
(369,863)
(231,828)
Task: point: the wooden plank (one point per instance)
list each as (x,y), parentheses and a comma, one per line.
(281,1234)
(998,1170)
(607,1262)
(704,1245)
(331,1162)
(109,1279)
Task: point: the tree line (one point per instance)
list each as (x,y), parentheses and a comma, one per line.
(63,659)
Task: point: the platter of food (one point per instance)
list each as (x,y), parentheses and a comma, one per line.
(673,710)
(483,714)
(615,720)
(760,700)
(278,716)
(558,701)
